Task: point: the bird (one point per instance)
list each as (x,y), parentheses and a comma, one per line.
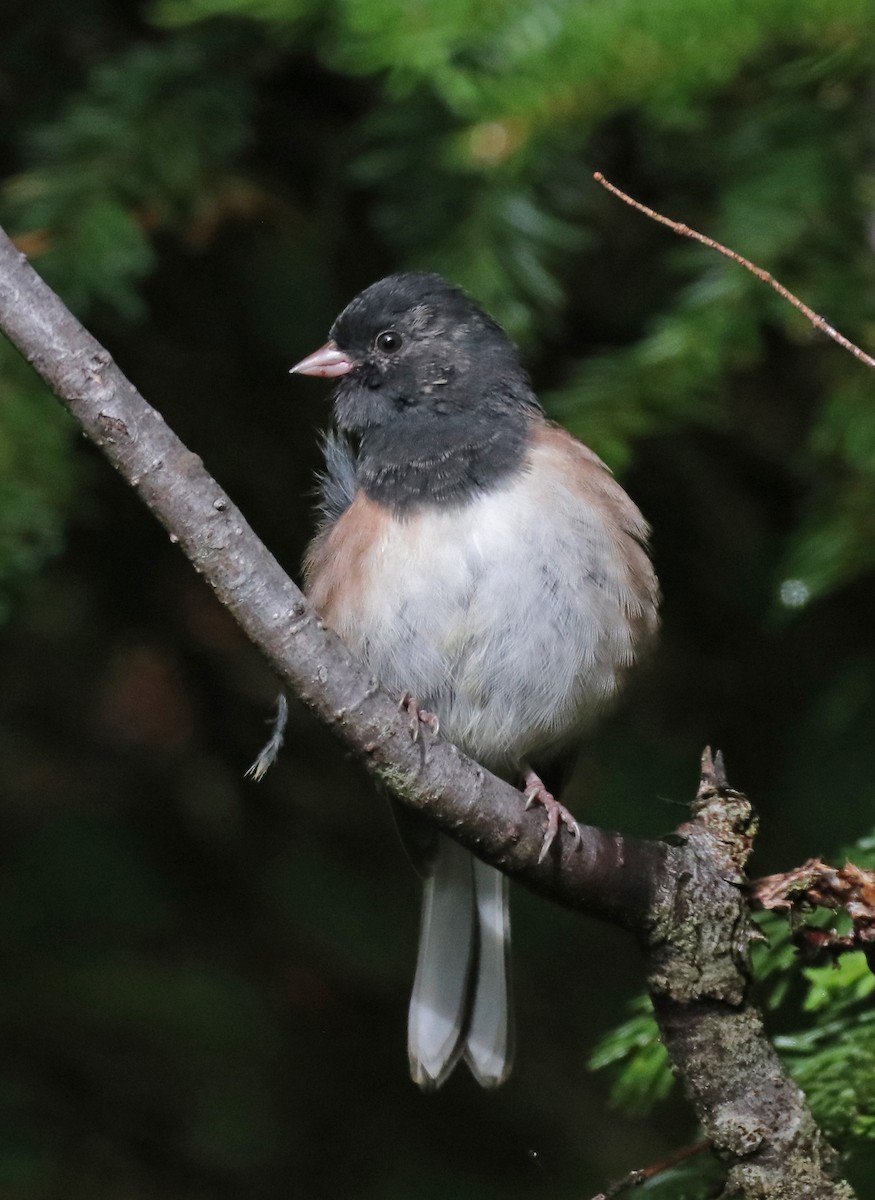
(490,571)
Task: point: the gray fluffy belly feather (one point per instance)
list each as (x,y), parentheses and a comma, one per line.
(509,617)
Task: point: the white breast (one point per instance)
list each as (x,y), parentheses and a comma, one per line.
(508,617)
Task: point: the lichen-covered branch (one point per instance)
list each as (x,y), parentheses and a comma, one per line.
(682,900)
(754,1114)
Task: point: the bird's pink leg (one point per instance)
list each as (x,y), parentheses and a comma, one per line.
(419,716)
(536,793)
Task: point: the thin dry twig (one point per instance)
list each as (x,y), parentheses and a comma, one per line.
(643,1174)
(685,231)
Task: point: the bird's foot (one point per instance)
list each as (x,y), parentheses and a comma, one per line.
(419,716)
(536,793)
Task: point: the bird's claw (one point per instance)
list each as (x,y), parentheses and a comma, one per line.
(419,716)
(536,793)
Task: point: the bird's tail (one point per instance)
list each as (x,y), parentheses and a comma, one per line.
(461,1004)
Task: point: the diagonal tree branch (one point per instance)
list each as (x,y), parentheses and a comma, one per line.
(682,900)
(483,812)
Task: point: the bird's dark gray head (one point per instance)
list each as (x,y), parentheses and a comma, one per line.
(430,387)
(421,347)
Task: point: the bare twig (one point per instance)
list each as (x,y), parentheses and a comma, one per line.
(685,231)
(643,1174)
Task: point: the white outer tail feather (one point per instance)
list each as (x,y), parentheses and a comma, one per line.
(489,1039)
(460,1003)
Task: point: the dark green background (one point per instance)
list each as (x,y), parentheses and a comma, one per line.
(203,982)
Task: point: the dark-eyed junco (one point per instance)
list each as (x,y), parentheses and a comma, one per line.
(486,564)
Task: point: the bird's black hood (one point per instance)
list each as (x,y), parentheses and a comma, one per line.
(431,392)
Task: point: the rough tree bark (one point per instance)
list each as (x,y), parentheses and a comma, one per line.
(681,900)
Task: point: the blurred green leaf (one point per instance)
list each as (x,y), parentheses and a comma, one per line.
(141,147)
(37,476)
(641,1074)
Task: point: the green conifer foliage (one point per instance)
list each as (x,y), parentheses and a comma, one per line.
(210,985)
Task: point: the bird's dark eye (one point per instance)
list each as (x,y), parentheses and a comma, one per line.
(388,341)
